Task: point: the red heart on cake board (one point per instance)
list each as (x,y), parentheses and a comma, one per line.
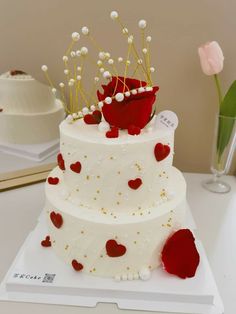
(46,242)
(53,181)
(114,249)
(56,219)
(93,118)
(76,167)
(76,265)
(60,161)
(161,151)
(113,133)
(135,184)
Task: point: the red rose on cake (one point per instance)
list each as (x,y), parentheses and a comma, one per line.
(127,102)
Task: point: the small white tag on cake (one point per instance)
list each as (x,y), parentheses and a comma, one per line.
(166,120)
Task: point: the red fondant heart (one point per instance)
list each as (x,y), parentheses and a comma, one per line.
(114,249)
(134,130)
(135,184)
(93,118)
(60,161)
(46,242)
(76,167)
(77,266)
(161,151)
(179,255)
(113,133)
(56,219)
(53,181)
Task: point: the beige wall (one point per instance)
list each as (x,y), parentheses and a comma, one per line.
(36,32)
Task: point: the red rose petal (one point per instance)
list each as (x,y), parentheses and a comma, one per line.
(77,266)
(56,219)
(46,242)
(76,167)
(135,184)
(161,151)
(60,161)
(114,249)
(53,181)
(134,130)
(179,255)
(113,133)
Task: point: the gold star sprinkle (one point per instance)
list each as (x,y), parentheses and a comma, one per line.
(85,256)
(82,231)
(118,203)
(87,177)
(66,247)
(85,156)
(98,191)
(98,177)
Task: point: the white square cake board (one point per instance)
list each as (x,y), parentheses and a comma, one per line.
(36,152)
(37,275)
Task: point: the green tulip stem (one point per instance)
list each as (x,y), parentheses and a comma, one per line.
(217,81)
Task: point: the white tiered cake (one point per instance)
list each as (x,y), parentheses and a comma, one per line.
(97,204)
(30,113)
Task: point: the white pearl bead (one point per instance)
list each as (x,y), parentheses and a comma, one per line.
(80,114)
(99,63)
(96,79)
(108,100)
(152,69)
(100,104)
(114,15)
(71,83)
(136,276)
(66,71)
(72,54)
(103,126)
(134,92)
(107,54)
(74,115)
(127,94)
(65,58)
(144,50)
(54,91)
(78,77)
(69,118)
(125,30)
(106,74)
(142,24)
(92,108)
(44,68)
(144,273)
(102,55)
(84,51)
(148,39)
(102,70)
(119,97)
(62,85)
(128,62)
(79,69)
(140,61)
(120,59)
(85,110)
(130,39)
(75,36)
(149,88)
(78,53)
(110,61)
(85,30)
(141,89)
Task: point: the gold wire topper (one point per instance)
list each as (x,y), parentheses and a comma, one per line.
(76,100)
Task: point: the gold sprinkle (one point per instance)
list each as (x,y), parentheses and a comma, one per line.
(150,267)
(101,256)
(77,189)
(163,225)
(68,153)
(116,237)
(169,220)
(138,232)
(98,177)
(171,211)
(98,191)
(85,256)
(118,203)
(82,231)
(167,177)
(111,158)
(87,177)
(128,268)
(66,247)
(119,193)
(118,172)
(95,198)
(149,212)
(94,269)
(168,225)
(53,241)
(139,207)
(160,175)
(90,271)
(133,214)
(164,172)
(141,214)
(85,156)
(115,217)
(135,242)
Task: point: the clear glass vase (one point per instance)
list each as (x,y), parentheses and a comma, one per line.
(224,143)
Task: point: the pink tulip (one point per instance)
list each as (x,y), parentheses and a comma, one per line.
(211,58)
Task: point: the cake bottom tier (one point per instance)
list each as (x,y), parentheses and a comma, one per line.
(31,128)
(126,246)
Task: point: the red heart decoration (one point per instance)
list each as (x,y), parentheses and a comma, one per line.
(93,118)
(76,167)
(134,130)
(179,255)
(161,151)
(60,162)
(113,133)
(46,242)
(77,266)
(114,249)
(133,110)
(135,184)
(53,181)
(56,219)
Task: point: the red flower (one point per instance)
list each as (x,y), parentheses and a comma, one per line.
(134,110)
(179,255)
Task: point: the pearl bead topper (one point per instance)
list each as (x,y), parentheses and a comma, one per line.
(125,80)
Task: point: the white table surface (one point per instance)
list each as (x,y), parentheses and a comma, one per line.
(214,214)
